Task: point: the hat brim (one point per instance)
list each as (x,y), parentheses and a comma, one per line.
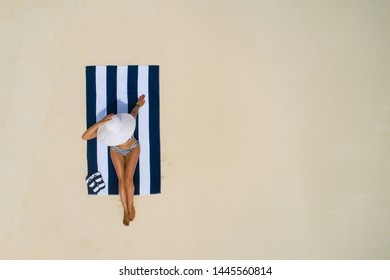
(126,131)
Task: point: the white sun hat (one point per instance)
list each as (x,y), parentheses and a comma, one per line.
(117,130)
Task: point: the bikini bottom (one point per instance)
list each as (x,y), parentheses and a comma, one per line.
(125,152)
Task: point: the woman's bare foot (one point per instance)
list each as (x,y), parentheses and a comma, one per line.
(126,218)
(132,213)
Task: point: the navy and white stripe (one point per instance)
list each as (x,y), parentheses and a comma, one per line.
(95,183)
(115,89)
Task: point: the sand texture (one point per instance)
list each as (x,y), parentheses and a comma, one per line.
(275,136)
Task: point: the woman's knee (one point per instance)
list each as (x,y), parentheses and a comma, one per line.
(121,181)
(129,181)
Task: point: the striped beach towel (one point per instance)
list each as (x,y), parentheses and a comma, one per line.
(115,89)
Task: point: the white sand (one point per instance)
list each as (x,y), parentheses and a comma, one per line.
(274,128)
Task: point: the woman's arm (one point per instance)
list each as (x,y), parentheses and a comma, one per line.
(140,103)
(91,132)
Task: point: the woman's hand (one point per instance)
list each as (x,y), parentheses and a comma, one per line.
(106,118)
(91,132)
(141,100)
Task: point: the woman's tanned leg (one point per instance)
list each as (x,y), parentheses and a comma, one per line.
(119,163)
(131,163)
